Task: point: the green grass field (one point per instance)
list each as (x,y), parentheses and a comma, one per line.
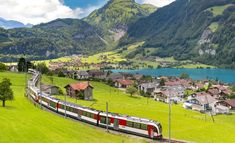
(218,10)
(22,122)
(186,124)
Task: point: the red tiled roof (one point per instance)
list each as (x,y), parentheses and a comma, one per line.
(80,85)
(231,102)
(125,82)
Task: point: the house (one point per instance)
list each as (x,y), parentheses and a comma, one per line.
(228,103)
(13,68)
(115,76)
(148,87)
(97,74)
(138,77)
(82,75)
(165,94)
(122,83)
(50,89)
(201,102)
(81,90)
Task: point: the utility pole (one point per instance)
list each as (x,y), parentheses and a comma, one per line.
(169,118)
(107,123)
(65,106)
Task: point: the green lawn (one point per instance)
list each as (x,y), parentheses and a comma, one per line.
(22,122)
(218,10)
(186,124)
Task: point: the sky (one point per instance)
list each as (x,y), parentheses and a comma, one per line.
(41,11)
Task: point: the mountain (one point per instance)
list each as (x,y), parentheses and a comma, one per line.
(100,31)
(57,38)
(116,16)
(9,24)
(199,30)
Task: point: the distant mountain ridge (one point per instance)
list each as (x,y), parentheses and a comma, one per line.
(198,30)
(10,24)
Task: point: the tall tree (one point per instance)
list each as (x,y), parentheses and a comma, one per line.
(3,67)
(6,92)
(22,65)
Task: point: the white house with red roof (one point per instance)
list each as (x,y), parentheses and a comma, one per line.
(123,83)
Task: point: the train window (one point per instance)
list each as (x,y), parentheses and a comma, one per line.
(143,127)
(129,124)
(103,120)
(137,125)
(84,113)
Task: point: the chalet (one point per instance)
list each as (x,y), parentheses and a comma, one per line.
(115,76)
(81,90)
(148,87)
(201,102)
(82,75)
(122,83)
(164,95)
(50,89)
(13,68)
(97,74)
(228,103)
(138,77)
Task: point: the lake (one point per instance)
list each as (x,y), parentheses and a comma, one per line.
(224,75)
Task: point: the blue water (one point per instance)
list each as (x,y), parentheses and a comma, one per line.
(224,75)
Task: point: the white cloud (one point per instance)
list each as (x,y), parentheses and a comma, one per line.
(38,11)
(158,3)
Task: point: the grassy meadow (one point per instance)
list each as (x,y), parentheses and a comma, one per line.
(22,122)
(186,124)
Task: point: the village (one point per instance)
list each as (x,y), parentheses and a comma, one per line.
(205,96)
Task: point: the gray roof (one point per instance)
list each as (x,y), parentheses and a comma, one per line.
(82,73)
(149,85)
(205,99)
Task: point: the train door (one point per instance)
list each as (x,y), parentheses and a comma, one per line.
(116,124)
(151,131)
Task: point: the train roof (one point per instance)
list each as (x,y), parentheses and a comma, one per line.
(78,106)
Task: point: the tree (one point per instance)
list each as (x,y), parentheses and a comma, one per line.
(131,90)
(233,88)
(3,67)
(6,92)
(42,68)
(61,74)
(184,76)
(22,65)
(162,82)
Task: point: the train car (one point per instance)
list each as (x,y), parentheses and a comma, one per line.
(33,93)
(132,125)
(78,112)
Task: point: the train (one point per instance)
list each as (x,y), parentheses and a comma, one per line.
(122,123)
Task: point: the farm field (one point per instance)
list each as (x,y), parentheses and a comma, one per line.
(186,124)
(22,122)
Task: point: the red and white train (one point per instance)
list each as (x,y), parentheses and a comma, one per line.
(122,123)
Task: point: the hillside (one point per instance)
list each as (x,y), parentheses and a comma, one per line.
(116,16)
(198,30)
(65,37)
(23,122)
(187,125)
(57,38)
